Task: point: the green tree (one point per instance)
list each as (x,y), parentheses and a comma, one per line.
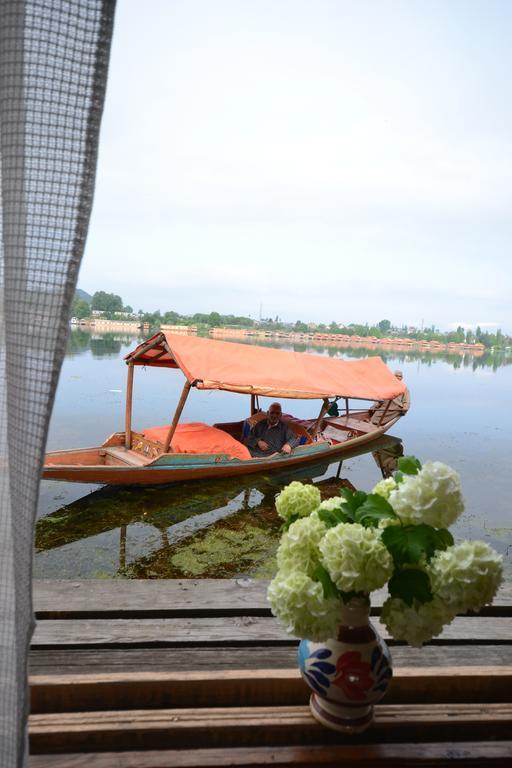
(214,319)
(106,302)
(80,309)
(384,326)
(170,318)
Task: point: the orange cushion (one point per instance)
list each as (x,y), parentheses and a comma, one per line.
(199,438)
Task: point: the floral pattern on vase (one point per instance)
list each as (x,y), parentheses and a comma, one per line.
(349,674)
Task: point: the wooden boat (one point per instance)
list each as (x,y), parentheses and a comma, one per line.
(177,452)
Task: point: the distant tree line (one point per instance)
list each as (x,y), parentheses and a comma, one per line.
(111,305)
(108,303)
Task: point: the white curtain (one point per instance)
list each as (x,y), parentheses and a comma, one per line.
(53,70)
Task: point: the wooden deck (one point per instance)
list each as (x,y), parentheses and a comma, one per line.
(154,674)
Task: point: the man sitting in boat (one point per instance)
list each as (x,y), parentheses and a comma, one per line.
(271,435)
(381,412)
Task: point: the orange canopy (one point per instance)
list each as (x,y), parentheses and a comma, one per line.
(244,368)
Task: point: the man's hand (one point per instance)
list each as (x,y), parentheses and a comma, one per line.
(262,445)
(286,448)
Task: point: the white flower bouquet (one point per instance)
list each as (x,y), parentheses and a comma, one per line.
(346,547)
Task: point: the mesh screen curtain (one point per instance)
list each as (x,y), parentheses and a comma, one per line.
(53,69)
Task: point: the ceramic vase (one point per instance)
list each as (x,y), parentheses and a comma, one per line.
(348,674)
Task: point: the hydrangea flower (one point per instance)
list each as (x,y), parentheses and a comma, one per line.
(335,502)
(297,499)
(298,549)
(416,624)
(466,576)
(433,496)
(355,557)
(299,603)
(387,521)
(384,487)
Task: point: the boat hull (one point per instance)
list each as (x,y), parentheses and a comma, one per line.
(79,466)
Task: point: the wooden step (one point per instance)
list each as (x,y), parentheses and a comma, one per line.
(255,687)
(71,661)
(405,755)
(168,598)
(237,630)
(228,727)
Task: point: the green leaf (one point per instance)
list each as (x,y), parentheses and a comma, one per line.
(406,544)
(329,587)
(409,465)
(410,584)
(444,539)
(373,509)
(352,501)
(332,517)
(288,522)
(398,477)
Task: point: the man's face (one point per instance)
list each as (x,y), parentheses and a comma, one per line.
(273,415)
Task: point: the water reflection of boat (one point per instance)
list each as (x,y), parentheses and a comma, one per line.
(176,452)
(180,513)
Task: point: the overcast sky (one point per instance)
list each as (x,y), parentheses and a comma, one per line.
(346,160)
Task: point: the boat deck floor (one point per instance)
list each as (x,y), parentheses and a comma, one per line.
(128,456)
(352,424)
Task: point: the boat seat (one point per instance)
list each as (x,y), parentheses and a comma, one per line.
(127,456)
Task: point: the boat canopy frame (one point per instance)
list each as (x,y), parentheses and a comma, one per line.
(208,365)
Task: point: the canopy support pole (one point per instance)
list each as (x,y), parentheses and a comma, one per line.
(253,405)
(384,412)
(128,412)
(347,414)
(172,428)
(323,410)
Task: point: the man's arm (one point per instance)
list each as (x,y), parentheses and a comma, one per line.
(256,437)
(291,439)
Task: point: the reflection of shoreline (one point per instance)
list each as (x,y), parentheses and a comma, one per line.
(107,344)
(342,340)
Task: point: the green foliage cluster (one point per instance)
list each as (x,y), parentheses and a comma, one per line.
(110,304)
(408,545)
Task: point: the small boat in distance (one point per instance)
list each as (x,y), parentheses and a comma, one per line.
(176,452)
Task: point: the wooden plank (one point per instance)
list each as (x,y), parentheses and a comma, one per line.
(352,424)
(258,726)
(174,597)
(165,597)
(83,660)
(243,630)
(128,456)
(468,753)
(251,688)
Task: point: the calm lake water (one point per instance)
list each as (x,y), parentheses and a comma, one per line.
(460,414)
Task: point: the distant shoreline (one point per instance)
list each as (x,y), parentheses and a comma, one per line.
(326,339)
(335,339)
